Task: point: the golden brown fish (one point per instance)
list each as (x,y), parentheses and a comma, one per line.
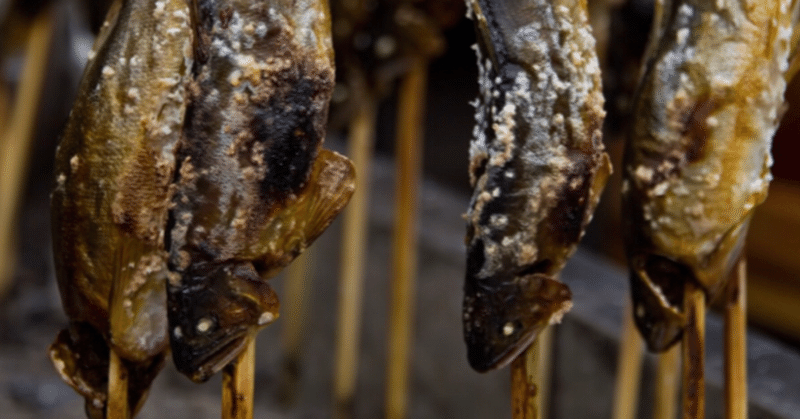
(114,168)
(698,160)
(537,165)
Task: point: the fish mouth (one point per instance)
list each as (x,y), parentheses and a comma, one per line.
(503,320)
(201,362)
(657,286)
(211,313)
(483,358)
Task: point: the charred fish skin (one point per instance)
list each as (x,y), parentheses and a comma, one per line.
(254,187)
(114,167)
(698,160)
(537,166)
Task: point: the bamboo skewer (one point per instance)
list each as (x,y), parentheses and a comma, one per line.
(404,257)
(736,345)
(530,378)
(667,384)
(238,383)
(693,345)
(351,274)
(298,284)
(523,385)
(544,369)
(16,138)
(117,406)
(629,368)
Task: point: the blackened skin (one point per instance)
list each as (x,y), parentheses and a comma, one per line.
(569,214)
(286,127)
(212,312)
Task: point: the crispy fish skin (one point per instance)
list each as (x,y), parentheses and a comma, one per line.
(537,166)
(698,160)
(114,167)
(254,189)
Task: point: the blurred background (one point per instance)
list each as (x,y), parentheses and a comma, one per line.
(43,48)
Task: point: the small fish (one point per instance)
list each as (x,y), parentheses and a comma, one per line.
(114,168)
(698,160)
(537,166)
(253,187)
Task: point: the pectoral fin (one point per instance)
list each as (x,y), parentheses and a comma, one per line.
(294,226)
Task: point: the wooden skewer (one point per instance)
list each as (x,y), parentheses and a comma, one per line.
(408,156)
(352,262)
(238,383)
(298,284)
(16,138)
(629,369)
(736,345)
(530,378)
(523,385)
(693,345)
(667,384)
(117,406)
(544,369)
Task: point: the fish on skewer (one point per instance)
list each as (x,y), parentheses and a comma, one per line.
(698,161)
(114,170)
(537,166)
(253,187)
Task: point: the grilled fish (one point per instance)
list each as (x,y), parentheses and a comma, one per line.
(114,169)
(253,187)
(698,160)
(537,166)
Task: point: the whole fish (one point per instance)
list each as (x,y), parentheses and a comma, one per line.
(253,188)
(114,169)
(537,166)
(698,160)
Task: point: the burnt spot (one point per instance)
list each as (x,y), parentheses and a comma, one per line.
(695,129)
(568,215)
(475,259)
(287,127)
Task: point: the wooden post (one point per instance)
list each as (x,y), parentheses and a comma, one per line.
(117,405)
(404,258)
(17,137)
(667,384)
(629,368)
(352,260)
(736,345)
(693,344)
(238,383)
